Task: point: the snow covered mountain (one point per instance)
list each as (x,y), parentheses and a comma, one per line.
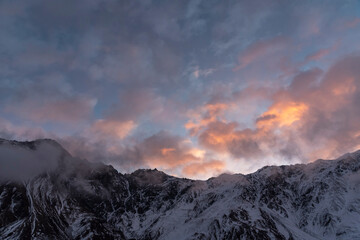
(45,193)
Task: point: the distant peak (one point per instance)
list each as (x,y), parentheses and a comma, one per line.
(146,170)
(150,176)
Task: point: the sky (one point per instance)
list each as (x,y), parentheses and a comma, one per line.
(193,88)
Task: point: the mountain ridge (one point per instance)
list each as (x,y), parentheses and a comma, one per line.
(94,201)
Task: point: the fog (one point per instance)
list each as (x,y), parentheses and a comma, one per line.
(19,161)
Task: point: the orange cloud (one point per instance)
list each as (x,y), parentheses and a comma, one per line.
(166,151)
(210,168)
(175,159)
(316,116)
(282,114)
(218,134)
(204,116)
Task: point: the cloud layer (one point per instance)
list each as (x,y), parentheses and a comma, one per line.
(194,88)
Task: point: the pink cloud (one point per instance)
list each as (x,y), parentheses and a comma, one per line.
(322,53)
(112,128)
(259,50)
(353,23)
(318,54)
(19,132)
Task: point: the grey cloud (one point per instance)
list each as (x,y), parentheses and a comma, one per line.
(265,118)
(20,161)
(50,98)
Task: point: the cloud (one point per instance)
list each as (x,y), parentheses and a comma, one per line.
(321,53)
(178,156)
(268,61)
(110,128)
(21,162)
(259,50)
(217,134)
(332,109)
(353,23)
(202,72)
(311,24)
(200,169)
(318,54)
(238,23)
(49,99)
(104,140)
(314,117)
(12,131)
(164,151)
(235,81)
(282,114)
(136,104)
(224,137)
(265,117)
(68,110)
(203,116)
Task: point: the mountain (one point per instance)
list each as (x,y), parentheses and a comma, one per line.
(45,193)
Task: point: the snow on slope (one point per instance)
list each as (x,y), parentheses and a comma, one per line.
(73,199)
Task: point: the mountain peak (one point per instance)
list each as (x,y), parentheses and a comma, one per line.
(150,176)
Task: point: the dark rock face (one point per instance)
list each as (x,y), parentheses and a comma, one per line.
(80,200)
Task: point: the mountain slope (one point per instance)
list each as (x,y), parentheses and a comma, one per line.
(66,198)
